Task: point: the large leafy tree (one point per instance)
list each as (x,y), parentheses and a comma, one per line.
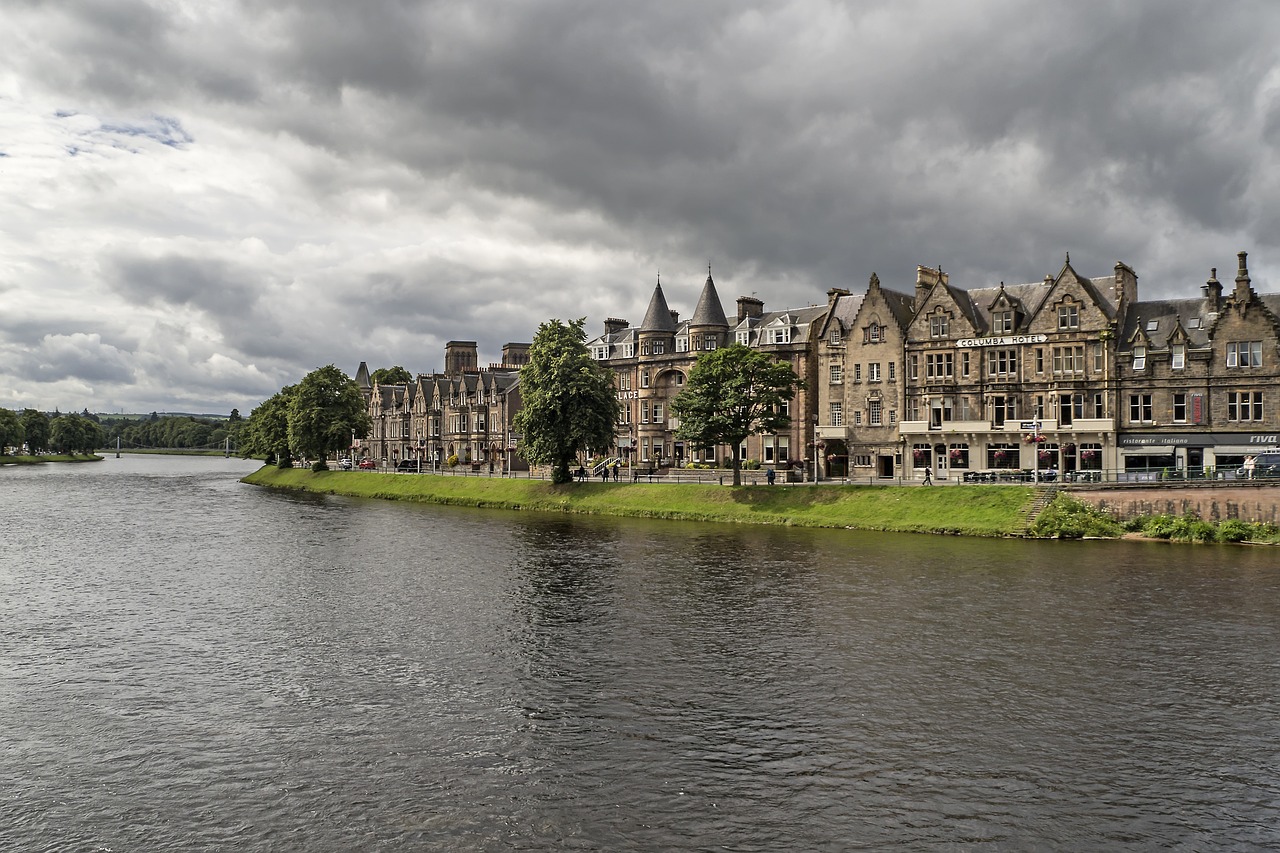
(734,392)
(390,376)
(36,426)
(11,432)
(327,409)
(75,434)
(266,433)
(568,403)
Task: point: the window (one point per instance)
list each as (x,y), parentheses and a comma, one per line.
(682,343)
(644,347)
(1002,362)
(1068,360)
(835,338)
(1153,325)
(938,325)
(1097,357)
(893,417)
(1178,356)
(959,455)
(857,418)
(628,350)
(1039,359)
(1139,358)
(659,347)
(939,366)
(743,338)
(837,374)
(644,379)
(874,412)
(857,373)
(780,336)
(871,334)
(600,353)
(964,364)
(1244,406)
(913,367)
(1068,316)
(873,371)
(1244,354)
(1002,322)
(1140,408)
(644,412)
(709,342)
(657,413)
(892,370)
(1180,408)
(837,414)
(1004,409)
(1193,323)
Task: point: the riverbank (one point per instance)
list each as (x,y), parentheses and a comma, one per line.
(956,510)
(40,460)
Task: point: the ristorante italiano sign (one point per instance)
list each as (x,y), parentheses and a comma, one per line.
(1003,341)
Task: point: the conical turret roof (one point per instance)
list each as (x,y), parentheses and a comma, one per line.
(658,318)
(709,311)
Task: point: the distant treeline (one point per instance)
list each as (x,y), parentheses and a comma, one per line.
(173,432)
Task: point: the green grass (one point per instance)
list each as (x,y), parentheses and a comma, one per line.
(39,460)
(959,510)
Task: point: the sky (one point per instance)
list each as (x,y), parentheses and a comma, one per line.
(203,200)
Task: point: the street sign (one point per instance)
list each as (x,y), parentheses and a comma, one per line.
(1031,425)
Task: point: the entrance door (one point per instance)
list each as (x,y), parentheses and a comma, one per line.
(885,464)
(1195,461)
(940,462)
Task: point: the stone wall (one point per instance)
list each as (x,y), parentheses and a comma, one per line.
(1260,503)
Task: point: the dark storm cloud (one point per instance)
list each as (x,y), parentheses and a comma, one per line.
(223,290)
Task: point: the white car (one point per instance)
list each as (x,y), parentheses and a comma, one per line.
(344,464)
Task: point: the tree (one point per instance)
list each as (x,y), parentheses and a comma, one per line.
(327,409)
(75,434)
(390,376)
(11,432)
(569,403)
(36,426)
(267,430)
(734,392)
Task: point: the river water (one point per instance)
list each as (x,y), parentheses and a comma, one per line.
(190,663)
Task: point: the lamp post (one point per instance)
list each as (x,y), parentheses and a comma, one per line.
(815,448)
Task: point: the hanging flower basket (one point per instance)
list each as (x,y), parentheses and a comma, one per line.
(957,454)
(1045,456)
(1088,455)
(918,457)
(1000,455)
(1034,438)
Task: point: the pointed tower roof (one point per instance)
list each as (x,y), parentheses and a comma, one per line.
(658,317)
(362,376)
(710,312)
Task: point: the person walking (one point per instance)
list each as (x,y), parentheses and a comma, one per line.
(928,476)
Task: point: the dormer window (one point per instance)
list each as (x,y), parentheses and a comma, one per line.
(1068,316)
(835,338)
(1139,358)
(1179,356)
(780,336)
(682,343)
(743,338)
(1002,322)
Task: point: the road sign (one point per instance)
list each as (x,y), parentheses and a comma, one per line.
(1031,425)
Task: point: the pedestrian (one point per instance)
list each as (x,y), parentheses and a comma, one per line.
(928,476)
(617,471)
(604,473)
(770,475)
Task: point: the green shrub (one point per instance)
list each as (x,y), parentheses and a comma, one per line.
(1234,530)
(751,464)
(319,465)
(1067,518)
(452,461)
(284,462)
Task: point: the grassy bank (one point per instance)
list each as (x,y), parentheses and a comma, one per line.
(40,460)
(960,510)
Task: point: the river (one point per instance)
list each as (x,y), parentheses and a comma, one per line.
(188,663)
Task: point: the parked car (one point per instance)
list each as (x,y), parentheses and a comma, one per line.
(410,465)
(344,464)
(368,464)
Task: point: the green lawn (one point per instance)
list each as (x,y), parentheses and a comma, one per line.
(962,510)
(38,460)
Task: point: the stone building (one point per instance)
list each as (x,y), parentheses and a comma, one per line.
(652,361)
(1199,380)
(464,413)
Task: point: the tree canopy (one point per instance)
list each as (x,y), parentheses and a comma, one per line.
(266,433)
(36,426)
(731,393)
(75,434)
(326,410)
(390,376)
(568,399)
(12,433)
